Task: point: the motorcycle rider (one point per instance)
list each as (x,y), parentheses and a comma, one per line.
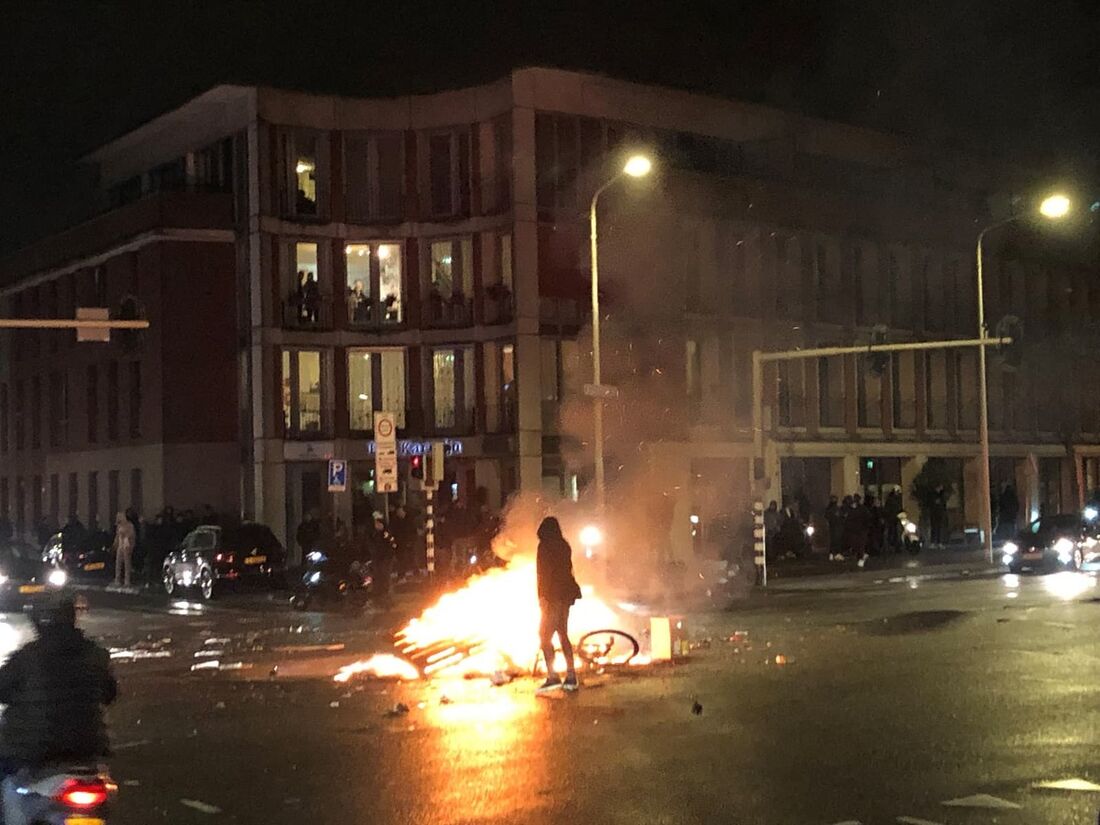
(55,689)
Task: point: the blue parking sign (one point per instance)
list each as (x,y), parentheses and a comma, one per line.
(337,475)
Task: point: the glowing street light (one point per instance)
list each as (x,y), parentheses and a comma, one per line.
(1053,207)
(636,166)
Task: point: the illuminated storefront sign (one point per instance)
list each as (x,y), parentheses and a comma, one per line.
(407,447)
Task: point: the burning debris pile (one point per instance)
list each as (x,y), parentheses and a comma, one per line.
(491,626)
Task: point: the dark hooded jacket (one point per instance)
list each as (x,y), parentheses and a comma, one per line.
(55,689)
(555,565)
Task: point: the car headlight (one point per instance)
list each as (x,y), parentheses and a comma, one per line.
(1064,548)
(810,530)
(910,528)
(3,579)
(1010,548)
(57,578)
(1092,513)
(314,578)
(315,557)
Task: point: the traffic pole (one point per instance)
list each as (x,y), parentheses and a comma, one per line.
(429,529)
(760,557)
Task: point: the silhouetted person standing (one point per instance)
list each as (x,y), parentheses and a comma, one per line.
(557,590)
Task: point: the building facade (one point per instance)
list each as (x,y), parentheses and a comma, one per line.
(307,260)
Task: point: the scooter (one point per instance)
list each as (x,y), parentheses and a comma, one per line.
(60,796)
(325,583)
(910,534)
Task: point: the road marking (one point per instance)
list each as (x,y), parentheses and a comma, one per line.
(982,800)
(201,807)
(125,746)
(912,820)
(1074,784)
(849,822)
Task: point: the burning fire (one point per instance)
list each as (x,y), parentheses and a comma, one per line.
(382,665)
(490,625)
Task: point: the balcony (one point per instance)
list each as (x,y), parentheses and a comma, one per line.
(367,313)
(448,313)
(302,312)
(499,304)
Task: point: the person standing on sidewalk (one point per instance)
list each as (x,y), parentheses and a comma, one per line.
(557,590)
(125,539)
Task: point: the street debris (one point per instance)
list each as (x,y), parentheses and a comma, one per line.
(499,678)
(446,700)
(1075,784)
(334,704)
(400,709)
(201,807)
(982,800)
(696,708)
(379,666)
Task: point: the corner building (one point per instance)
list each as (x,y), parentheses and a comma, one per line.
(306,260)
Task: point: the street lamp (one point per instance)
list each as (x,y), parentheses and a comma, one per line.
(637,166)
(1053,207)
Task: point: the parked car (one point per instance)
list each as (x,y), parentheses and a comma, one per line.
(1066,541)
(80,554)
(211,558)
(24,576)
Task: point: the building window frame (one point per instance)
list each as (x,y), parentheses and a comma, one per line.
(381,392)
(299,422)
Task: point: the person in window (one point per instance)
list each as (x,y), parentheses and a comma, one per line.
(55,689)
(557,590)
(358,304)
(311,299)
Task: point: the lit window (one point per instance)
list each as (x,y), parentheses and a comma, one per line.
(305,175)
(375,374)
(373,269)
(302,391)
(453,382)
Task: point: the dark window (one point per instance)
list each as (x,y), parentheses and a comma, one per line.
(502,161)
(20,409)
(36,412)
(440,173)
(137,490)
(92,405)
(74,495)
(53,310)
(830,392)
(5,503)
(4,416)
(134,397)
(855,258)
(391,175)
(99,286)
(36,500)
(112,401)
(374,175)
(93,498)
(55,500)
(20,504)
(112,494)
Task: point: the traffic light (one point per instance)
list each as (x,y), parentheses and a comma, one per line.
(1011,327)
(416,467)
(435,473)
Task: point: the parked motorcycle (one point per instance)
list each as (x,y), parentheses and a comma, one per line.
(328,582)
(60,796)
(910,534)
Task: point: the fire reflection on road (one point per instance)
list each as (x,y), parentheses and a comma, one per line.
(491,741)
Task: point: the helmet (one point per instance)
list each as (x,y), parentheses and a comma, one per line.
(55,612)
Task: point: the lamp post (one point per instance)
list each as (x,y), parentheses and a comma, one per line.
(637,166)
(1053,207)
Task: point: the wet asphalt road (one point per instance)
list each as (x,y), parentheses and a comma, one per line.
(894,698)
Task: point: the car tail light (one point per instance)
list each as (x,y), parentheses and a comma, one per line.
(80,793)
(228,558)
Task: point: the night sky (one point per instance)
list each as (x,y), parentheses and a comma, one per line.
(1011,77)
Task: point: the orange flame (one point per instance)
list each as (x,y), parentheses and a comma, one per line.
(492,624)
(381,665)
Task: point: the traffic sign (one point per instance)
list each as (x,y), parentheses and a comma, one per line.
(337,475)
(385,452)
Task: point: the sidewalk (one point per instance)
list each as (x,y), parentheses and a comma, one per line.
(819,573)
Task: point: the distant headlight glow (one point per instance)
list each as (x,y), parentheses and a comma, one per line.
(57,578)
(1064,548)
(1010,548)
(910,528)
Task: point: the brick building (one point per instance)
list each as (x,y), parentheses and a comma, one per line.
(305,260)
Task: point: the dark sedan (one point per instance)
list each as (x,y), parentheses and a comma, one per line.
(1062,542)
(212,557)
(81,553)
(24,576)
